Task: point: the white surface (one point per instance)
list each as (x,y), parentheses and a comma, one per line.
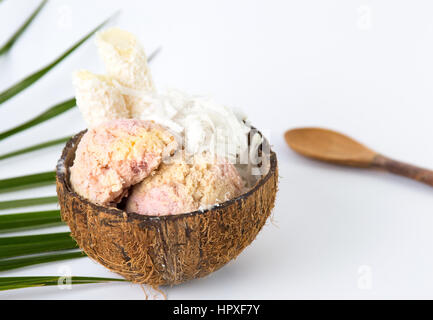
(362,67)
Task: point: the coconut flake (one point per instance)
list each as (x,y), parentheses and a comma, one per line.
(203,124)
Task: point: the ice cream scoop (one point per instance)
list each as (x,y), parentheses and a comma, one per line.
(186,186)
(116,155)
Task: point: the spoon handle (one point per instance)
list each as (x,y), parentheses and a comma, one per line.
(403,169)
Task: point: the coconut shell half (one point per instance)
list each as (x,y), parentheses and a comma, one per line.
(165,250)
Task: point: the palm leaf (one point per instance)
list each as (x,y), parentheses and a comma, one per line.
(46,115)
(5,48)
(29,220)
(34,147)
(28,181)
(37,238)
(10,264)
(29,80)
(34,244)
(8,283)
(19,203)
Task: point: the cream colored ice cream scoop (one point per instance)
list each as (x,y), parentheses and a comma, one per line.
(116,155)
(330,146)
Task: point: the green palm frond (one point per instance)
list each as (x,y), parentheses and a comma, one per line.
(28,181)
(6,47)
(29,220)
(29,80)
(35,244)
(34,148)
(8,283)
(46,115)
(19,203)
(16,263)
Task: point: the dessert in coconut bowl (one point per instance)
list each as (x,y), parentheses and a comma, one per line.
(163,187)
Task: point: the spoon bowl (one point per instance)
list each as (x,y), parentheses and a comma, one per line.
(329,146)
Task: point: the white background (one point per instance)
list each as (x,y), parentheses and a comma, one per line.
(361,67)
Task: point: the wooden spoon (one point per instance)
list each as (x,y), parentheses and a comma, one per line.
(330,146)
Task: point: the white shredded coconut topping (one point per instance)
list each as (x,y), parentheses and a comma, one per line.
(201,123)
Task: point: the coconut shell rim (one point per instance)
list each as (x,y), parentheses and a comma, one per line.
(61,174)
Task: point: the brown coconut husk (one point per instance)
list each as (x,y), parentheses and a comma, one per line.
(165,250)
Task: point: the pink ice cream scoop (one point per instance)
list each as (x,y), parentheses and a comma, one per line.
(186,186)
(116,155)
